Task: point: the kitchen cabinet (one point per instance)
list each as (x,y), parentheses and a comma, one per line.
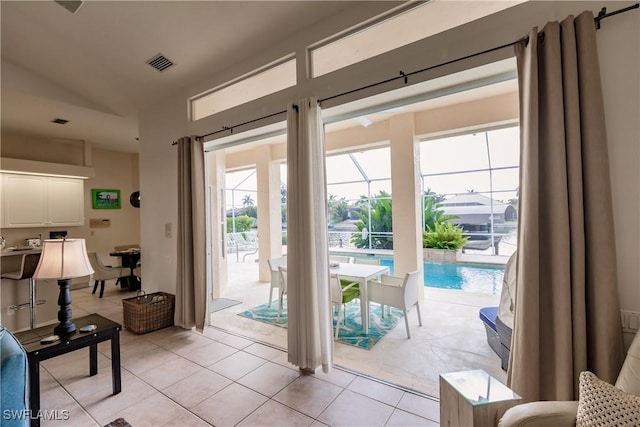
(41,201)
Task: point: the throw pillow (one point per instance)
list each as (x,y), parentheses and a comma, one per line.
(603,405)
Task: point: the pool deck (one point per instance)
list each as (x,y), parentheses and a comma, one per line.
(451,338)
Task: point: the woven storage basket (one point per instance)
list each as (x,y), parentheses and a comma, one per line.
(146,313)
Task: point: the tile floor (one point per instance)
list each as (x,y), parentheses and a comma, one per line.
(451,338)
(175,377)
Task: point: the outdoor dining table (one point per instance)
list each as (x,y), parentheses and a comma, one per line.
(361,273)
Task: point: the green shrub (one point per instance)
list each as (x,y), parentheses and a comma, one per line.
(444,235)
(243,223)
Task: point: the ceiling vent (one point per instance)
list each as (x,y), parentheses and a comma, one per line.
(60,121)
(160,62)
(71,6)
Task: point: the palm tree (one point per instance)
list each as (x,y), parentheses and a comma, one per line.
(247,201)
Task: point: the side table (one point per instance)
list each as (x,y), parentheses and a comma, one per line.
(473,398)
(107,330)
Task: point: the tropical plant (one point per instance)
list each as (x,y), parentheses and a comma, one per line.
(381,222)
(338,208)
(242,223)
(251,211)
(433,214)
(247,201)
(444,235)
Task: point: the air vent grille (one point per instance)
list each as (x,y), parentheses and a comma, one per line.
(160,62)
(60,121)
(71,6)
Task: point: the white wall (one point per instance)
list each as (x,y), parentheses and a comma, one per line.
(620,71)
(159,126)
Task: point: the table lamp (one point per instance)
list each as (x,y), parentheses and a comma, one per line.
(63,259)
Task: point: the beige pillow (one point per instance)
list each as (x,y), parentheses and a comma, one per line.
(603,405)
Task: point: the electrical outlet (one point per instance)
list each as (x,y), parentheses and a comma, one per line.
(168,230)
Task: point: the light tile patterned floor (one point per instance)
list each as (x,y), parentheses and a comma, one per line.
(175,377)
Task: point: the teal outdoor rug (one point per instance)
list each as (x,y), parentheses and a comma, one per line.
(350,334)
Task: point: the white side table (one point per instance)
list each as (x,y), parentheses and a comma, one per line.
(473,398)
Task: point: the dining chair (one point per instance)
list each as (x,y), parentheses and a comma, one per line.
(103,272)
(342,292)
(282,272)
(397,292)
(340,259)
(274,264)
(368,260)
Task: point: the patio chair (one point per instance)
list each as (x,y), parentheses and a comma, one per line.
(340,259)
(283,287)
(341,294)
(369,260)
(397,292)
(274,264)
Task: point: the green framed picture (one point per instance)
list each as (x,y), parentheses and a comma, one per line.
(103,198)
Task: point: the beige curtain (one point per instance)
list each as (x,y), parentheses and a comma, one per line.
(567,316)
(308,299)
(191,291)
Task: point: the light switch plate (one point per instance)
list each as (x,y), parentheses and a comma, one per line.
(630,320)
(168,230)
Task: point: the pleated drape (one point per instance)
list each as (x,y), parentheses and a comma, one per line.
(308,299)
(191,291)
(567,314)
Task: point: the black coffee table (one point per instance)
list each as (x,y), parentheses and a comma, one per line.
(37,352)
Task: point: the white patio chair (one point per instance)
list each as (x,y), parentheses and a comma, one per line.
(283,287)
(397,292)
(368,260)
(340,259)
(274,264)
(341,294)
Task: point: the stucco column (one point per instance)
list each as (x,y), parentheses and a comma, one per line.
(218,255)
(269,221)
(405,191)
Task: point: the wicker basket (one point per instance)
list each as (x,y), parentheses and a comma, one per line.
(146,313)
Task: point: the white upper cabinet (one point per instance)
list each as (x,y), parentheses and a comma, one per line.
(41,201)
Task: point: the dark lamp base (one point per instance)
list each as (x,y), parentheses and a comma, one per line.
(66,326)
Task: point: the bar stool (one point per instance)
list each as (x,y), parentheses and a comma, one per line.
(27,269)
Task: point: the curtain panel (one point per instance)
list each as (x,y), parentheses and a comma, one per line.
(567,314)
(308,299)
(191,290)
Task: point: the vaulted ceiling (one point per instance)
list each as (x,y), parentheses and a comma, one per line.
(89,67)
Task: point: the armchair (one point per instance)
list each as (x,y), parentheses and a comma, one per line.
(558,414)
(397,292)
(342,292)
(14,400)
(274,265)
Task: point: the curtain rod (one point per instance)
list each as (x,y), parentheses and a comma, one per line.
(405,76)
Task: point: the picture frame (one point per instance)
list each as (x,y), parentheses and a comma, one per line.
(105,198)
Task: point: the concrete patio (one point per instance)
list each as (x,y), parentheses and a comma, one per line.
(451,338)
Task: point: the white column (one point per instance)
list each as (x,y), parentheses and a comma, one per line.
(219,269)
(406,192)
(269,215)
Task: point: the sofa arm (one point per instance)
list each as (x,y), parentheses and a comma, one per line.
(541,414)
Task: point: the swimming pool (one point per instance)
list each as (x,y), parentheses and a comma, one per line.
(466,277)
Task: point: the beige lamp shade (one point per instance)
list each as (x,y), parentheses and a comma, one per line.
(63,259)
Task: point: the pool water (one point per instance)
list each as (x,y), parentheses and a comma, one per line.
(465,277)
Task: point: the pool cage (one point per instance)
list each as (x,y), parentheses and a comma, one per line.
(471,179)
